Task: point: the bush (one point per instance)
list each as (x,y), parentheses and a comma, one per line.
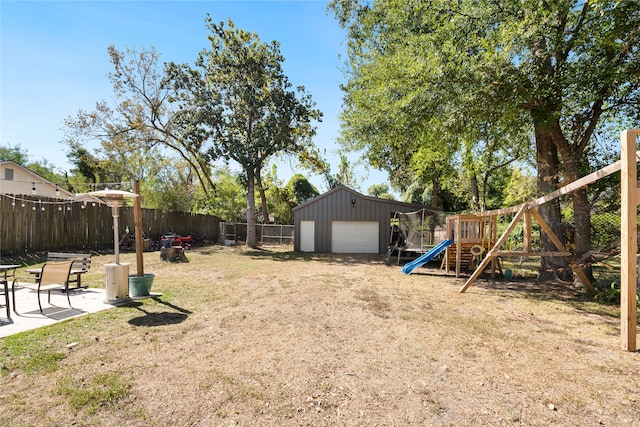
(611,295)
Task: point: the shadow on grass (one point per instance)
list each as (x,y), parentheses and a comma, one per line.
(329,258)
(161,318)
(168,304)
(561,292)
(530,289)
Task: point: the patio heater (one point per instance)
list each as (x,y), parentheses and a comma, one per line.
(116,274)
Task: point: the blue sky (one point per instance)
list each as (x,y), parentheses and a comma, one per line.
(54,60)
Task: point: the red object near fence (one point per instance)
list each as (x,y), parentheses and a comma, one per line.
(176,240)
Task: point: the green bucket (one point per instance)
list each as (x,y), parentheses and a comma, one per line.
(140,286)
(508,274)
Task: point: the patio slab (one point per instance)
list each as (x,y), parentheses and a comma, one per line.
(83,301)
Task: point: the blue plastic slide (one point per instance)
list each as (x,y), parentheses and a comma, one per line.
(425,258)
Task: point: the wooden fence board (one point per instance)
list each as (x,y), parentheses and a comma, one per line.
(23,229)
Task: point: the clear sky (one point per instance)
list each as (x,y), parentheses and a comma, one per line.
(54,61)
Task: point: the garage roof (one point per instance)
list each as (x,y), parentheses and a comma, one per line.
(355,193)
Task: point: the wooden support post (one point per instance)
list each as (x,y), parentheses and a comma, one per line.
(527,231)
(493,234)
(492,253)
(137,222)
(446,251)
(458,244)
(558,244)
(628,239)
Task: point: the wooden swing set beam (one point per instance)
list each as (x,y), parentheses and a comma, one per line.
(572,186)
(528,208)
(591,290)
(629,189)
(532,253)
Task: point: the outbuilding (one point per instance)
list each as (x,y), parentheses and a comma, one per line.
(345,221)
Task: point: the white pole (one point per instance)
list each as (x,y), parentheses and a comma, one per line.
(116,233)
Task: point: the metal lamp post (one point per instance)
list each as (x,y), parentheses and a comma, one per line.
(116,275)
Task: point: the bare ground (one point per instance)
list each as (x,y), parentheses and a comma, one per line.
(268,337)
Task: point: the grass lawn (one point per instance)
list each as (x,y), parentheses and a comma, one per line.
(275,338)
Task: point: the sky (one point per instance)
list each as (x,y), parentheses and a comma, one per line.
(54,62)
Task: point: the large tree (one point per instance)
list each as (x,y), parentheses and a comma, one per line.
(143,122)
(235,103)
(560,68)
(239,97)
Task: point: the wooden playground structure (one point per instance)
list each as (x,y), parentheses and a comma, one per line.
(476,243)
(473,236)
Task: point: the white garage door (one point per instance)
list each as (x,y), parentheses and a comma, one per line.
(359,237)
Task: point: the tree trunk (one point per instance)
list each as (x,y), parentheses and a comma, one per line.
(475,192)
(435,195)
(582,220)
(551,268)
(581,214)
(251,211)
(435,192)
(263,201)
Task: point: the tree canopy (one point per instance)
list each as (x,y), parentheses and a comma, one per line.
(430,77)
(233,104)
(238,98)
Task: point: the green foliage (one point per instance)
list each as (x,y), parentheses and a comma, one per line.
(400,111)
(15,154)
(381,191)
(520,188)
(238,99)
(235,103)
(86,165)
(103,391)
(344,176)
(171,185)
(605,231)
(283,199)
(610,294)
(228,201)
(280,205)
(300,189)
(138,137)
(473,80)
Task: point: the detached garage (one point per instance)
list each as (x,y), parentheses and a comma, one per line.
(345,221)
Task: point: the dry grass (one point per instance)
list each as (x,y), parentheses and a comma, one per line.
(269,337)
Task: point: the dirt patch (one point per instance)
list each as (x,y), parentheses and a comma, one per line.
(271,337)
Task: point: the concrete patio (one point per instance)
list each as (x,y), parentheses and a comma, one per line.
(83,301)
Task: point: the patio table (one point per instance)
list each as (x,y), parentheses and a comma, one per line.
(8,271)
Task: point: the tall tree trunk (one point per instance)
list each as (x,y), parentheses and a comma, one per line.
(435,199)
(581,213)
(263,200)
(551,268)
(251,211)
(582,219)
(475,193)
(435,192)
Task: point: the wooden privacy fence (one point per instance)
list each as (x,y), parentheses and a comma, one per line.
(43,225)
